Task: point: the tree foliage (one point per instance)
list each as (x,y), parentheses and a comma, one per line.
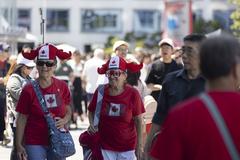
(235,16)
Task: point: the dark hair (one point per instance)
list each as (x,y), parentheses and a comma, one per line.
(132,77)
(17,69)
(195,37)
(218,55)
(26,46)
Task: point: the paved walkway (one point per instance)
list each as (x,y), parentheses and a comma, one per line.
(5,151)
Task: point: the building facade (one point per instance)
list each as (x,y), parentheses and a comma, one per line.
(88,23)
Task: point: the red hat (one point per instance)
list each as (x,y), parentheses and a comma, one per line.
(117,62)
(46,51)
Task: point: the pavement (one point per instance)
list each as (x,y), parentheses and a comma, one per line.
(82,126)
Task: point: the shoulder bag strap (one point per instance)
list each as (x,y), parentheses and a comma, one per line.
(40,96)
(217,117)
(99,105)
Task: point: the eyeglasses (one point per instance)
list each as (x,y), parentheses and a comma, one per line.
(47,63)
(123,50)
(113,73)
(189,51)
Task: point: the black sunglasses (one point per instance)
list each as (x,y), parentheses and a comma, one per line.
(47,63)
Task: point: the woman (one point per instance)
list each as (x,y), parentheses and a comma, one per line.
(32,139)
(120,125)
(15,83)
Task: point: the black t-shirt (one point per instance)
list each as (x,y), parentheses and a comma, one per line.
(158,72)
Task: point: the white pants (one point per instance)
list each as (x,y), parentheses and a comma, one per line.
(112,155)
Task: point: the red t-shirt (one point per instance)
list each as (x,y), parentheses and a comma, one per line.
(57,96)
(190,133)
(116,126)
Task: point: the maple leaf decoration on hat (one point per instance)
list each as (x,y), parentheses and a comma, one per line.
(46,51)
(123,65)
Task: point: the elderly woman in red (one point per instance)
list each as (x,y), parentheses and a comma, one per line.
(32,136)
(121,113)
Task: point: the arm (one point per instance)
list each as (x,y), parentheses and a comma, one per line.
(63,121)
(138,123)
(157,120)
(91,128)
(151,80)
(14,86)
(21,123)
(154,129)
(154,87)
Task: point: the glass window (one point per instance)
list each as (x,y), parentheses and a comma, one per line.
(24,18)
(57,20)
(100,20)
(147,21)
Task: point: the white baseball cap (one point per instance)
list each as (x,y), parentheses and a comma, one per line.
(26,62)
(119,43)
(166,41)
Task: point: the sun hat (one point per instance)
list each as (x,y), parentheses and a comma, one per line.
(118,44)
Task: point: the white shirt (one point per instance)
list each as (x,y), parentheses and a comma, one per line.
(90,73)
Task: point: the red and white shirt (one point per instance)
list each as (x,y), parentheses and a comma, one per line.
(57,97)
(116,126)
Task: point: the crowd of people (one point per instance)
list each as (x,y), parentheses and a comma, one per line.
(182,127)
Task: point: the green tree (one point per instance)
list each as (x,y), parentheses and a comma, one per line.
(235,16)
(202,26)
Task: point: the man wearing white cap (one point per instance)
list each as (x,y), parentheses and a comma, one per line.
(15,83)
(161,67)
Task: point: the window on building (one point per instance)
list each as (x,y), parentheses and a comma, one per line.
(93,20)
(147,21)
(57,20)
(24,18)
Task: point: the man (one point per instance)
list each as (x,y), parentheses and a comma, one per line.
(179,85)
(161,67)
(89,74)
(190,130)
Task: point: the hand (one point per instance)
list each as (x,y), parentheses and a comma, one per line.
(146,156)
(92,129)
(1,80)
(59,122)
(139,153)
(146,152)
(21,153)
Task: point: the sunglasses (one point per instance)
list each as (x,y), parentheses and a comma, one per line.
(113,73)
(47,63)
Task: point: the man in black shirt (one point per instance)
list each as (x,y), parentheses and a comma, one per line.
(179,85)
(161,67)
